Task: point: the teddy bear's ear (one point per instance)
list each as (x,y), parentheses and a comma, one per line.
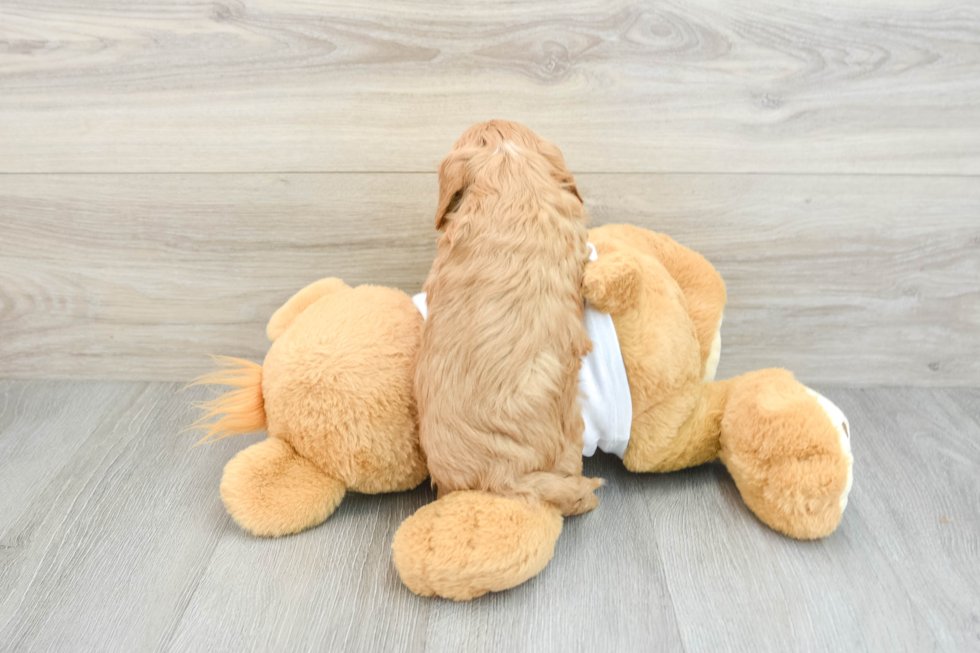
(450,187)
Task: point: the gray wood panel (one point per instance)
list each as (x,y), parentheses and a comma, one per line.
(968,399)
(295,85)
(845,280)
(925,482)
(342,592)
(127,548)
(108,554)
(43,425)
(893,577)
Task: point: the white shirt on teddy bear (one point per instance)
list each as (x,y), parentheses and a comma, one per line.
(604,391)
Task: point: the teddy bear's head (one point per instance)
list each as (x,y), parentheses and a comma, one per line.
(338,388)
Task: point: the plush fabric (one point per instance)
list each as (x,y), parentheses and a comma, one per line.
(469,543)
(335,396)
(789,460)
(788,452)
(271,490)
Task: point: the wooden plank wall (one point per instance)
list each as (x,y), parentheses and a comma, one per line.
(170,173)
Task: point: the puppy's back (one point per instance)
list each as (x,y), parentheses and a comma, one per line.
(497,374)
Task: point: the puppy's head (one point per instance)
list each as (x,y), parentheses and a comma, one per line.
(472,157)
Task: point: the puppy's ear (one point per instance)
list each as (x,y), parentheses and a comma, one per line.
(450,187)
(559,171)
(570,186)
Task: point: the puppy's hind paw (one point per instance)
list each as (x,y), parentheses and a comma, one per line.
(588,501)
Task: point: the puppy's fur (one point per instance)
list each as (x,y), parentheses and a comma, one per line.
(497,374)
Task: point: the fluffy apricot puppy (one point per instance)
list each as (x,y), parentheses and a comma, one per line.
(786,447)
(336,399)
(497,374)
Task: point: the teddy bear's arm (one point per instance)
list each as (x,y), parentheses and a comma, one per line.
(299,302)
(612,282)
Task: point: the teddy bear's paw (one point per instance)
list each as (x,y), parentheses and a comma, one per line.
(469,543)
(270,490)
(788,451)
(843,428)
(714,355)
(612,283)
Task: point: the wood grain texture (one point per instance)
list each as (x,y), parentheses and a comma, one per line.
(847,280)
(108,555)
(968,399)
(895,576)
(924,519)
(626,86)
(342,592)
(127,548)
(43,425)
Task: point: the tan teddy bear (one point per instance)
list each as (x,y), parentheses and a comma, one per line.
(786,447)
(335,396)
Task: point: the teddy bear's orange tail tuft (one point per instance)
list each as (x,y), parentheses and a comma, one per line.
(241,410)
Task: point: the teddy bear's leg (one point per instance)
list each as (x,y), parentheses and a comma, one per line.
(299,302)
(269,490)
(469,543)
(704,290)
(700,283)
(714,355)
(788,450)
(680,431)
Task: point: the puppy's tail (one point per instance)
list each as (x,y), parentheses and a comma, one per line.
(241,410)
(571,495)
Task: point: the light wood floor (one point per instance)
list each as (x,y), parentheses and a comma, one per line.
(113,537)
